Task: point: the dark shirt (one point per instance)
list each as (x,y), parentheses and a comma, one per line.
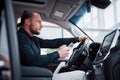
(29,48)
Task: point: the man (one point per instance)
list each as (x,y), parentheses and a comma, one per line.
(29,45)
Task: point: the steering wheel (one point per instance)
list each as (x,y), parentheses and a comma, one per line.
(79,55)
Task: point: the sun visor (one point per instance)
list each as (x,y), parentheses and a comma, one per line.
(101,3)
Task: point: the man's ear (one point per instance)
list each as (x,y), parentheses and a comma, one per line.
(27,21)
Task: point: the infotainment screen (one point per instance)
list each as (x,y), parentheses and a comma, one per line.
(109,41)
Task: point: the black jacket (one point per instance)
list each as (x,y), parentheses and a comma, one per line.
(29,48)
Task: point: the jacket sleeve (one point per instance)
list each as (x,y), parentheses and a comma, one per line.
(55,43)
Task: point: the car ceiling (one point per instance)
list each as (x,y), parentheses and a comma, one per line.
(58,10)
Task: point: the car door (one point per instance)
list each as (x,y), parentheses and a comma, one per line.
(9,59)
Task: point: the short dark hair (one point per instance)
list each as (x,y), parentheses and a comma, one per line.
(26,14)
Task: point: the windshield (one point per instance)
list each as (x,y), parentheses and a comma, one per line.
(98,22)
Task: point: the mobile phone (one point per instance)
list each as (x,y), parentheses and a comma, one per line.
(71,45)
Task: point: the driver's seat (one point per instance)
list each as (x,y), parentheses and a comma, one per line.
(35,73)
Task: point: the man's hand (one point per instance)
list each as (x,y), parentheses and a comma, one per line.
(82,38)
(63,51)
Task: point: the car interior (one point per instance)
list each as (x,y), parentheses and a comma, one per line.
(99,59)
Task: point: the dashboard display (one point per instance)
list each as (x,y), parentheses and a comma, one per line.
(109,41)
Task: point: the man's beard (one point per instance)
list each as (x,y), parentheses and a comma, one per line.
(33,31)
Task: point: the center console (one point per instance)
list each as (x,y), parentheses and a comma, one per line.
(108,43)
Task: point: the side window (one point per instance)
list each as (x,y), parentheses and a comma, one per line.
(3,38)
(51,31)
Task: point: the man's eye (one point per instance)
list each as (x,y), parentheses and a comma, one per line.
(39,21)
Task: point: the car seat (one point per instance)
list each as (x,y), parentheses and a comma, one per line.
(35,73)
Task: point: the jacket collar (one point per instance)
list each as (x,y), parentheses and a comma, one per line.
(25,33)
